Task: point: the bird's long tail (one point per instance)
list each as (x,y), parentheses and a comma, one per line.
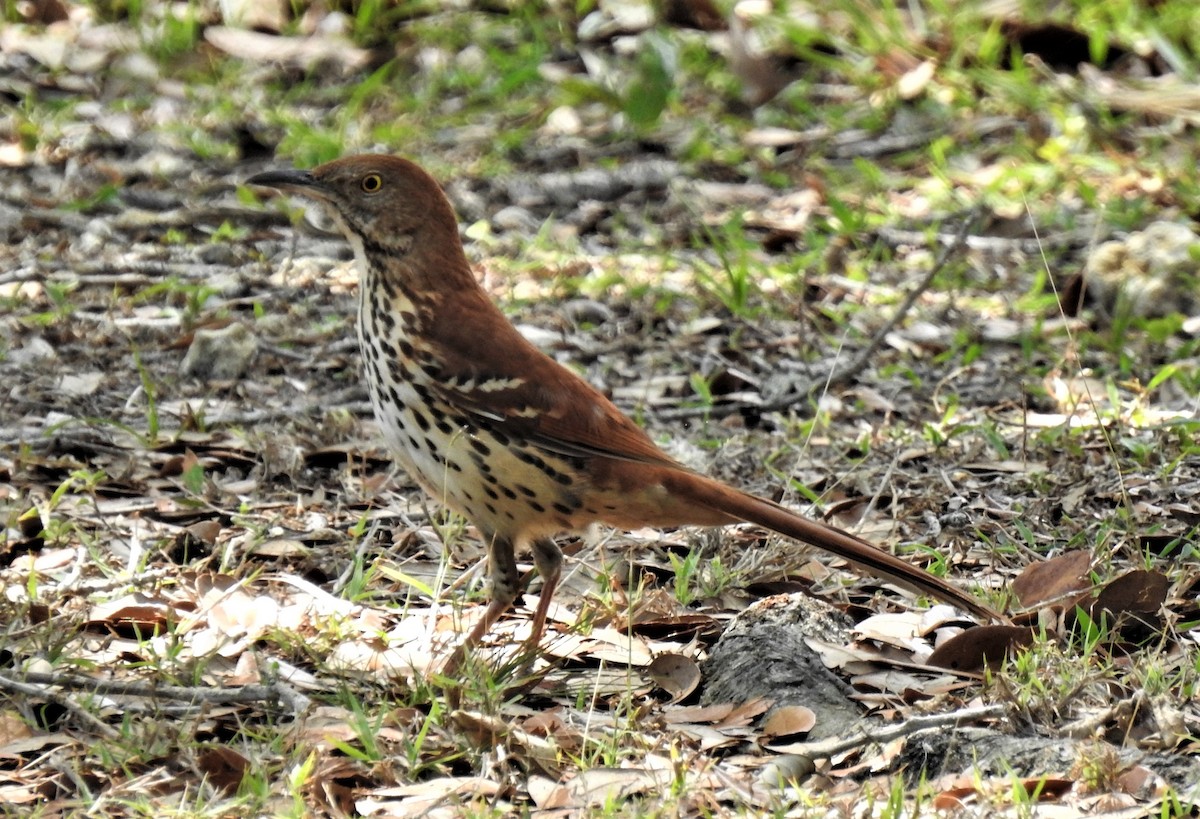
(704,493)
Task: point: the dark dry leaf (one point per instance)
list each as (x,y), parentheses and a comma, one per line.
(980,647)
(1133,604)
(223,767)
(1053,580)
(194,542)
(697,14)
(1140,592)
(1061,47)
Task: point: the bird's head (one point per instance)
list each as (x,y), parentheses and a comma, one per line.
(382,203)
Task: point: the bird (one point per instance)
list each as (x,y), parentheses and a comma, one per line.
(496,430)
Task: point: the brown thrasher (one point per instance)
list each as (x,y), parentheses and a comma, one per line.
(495,429)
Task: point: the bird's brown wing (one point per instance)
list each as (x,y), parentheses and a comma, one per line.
(530,395)
(556,411)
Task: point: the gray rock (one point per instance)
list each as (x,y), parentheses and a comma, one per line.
(220,355)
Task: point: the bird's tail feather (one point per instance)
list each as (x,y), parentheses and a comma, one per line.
(706,493)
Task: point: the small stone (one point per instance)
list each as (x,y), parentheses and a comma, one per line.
(587,311)
(217,253)
(137,65)
(563,121)
(96,237)
(1152,272)
(515,218)
(471,59)
(33,352)
(220,355)
(79,385)
(10,222)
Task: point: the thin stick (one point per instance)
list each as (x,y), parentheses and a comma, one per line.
(875,734)
(34,682)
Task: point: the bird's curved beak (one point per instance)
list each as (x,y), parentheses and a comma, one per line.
(291,181)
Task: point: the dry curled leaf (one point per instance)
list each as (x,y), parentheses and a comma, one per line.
(676,674)
(1053,580)
(980,647)
(1136,592)
(789,721)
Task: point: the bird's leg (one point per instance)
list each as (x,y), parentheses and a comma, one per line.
(506,585)
(548,559)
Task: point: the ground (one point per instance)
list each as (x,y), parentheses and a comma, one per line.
(891,274)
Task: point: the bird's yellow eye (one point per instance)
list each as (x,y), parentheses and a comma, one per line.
(372,182)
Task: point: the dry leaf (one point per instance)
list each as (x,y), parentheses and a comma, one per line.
(787,721)
(223,767)
(1053,580)
(980,647)
(676,674)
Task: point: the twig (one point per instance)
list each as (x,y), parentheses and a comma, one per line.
(81,713)
(875,734)
(993,244)
(278,691)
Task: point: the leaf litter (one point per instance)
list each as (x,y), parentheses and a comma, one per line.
(214,555)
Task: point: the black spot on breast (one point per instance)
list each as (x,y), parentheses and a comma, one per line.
(509,515)
(482,465)
(480,447)
(540,464)
(535,506)
(408,317)
(554,475)
(394,395)
(490,508)
(432,447)
(385,318)
(491,493)
(413,443)
(525,456)
(455,467)
(421,420)
(563,508)
(443,426)
(508,493)
(406,348)
(526,491)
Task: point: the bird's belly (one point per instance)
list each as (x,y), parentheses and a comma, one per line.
(503,486)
